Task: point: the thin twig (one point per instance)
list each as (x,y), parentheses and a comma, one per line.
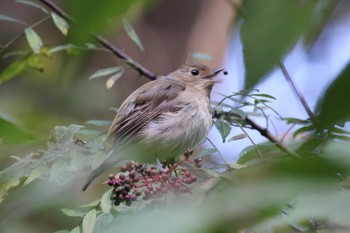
(263,131)
(252,141)
(217,149)
(296,91)
(105,43)
(13,40)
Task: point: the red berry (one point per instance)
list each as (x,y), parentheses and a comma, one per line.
(123,168)
(122,176)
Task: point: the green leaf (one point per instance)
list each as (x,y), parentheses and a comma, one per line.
(60,23)
(73,213)
(132,34)
(264,95)
(292,120)
(33,39)
(35,62)
(106,71)
(308,128)
(106,203)
(12,132)
(89,221)
(238,137)
(10,19)
(32,4)
(251,153)
(224,128)
(270,29)
(13,69)
(332,106)
(92,17)
(201,56)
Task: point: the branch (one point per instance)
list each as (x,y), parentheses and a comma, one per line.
(263,131)
(105,43)
(296,91)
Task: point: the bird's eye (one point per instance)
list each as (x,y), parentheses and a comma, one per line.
(194,72)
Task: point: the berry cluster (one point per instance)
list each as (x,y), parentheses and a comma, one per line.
(139,181)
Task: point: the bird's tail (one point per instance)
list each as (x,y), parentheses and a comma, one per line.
(112,159)
(91,178)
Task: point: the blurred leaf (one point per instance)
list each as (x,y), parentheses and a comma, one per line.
(73,213)
(202,56)
(89,221)
(75,230)
(33,39)
(10,19)
(69,48)
(106,203)
(239,112)
(60,23)
(92,17)
(36,173)
(223,127)
(106,71)
(103,123)
(332,105)
(251,154)
(269,30)
(206,152)
(110,82)
(13,69)
(132,34)
(12,132)
(35,62)
(92,204)
(340,131)
(291,120)
(238,137)
(58,168)
(32,4)
(14,53)
(307,128)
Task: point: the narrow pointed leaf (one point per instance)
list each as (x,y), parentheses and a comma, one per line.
(11,19)
(33,39)
(60,23)
(132,34)
(110,82)
(106,71)
(32,4)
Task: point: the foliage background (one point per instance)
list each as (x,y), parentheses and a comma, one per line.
(272,193)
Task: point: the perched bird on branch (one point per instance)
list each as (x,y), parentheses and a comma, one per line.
(164,117)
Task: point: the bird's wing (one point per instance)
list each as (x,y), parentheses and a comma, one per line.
(142,106)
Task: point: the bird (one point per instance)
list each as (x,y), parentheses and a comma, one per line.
(166,116)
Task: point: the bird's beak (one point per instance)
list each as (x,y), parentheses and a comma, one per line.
(215,72)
